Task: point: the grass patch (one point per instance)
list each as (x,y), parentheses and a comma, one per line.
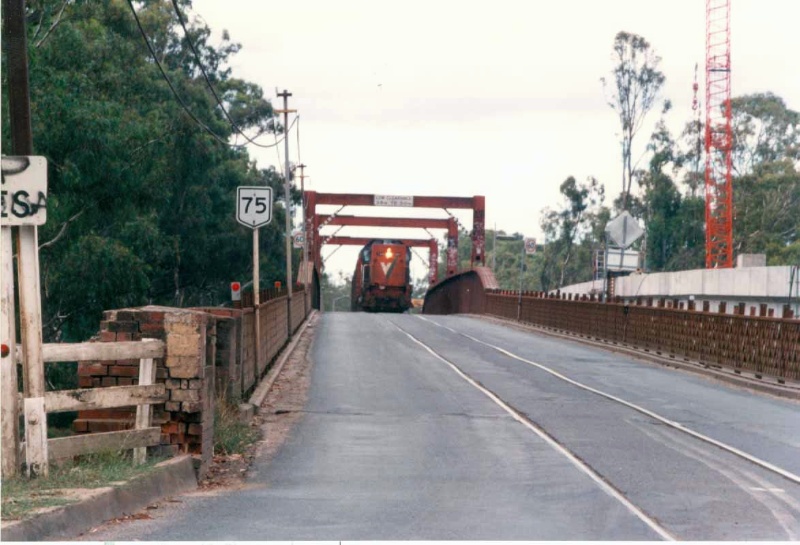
(23,496)
(231,436)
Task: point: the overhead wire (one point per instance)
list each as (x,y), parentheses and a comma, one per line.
(208,80)
(183,104)
(169,82)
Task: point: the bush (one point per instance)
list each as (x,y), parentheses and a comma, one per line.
(231,435)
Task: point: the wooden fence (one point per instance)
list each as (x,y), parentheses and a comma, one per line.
(38,450)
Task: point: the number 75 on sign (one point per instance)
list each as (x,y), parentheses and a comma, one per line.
(253,206)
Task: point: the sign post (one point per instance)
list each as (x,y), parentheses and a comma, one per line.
(24,205)
(254,209)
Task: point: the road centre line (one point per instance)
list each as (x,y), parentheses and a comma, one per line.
(671,423)
(519,417)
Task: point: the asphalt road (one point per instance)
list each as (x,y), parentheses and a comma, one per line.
(414,431)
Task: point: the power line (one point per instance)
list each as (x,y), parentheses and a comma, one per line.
(180,100)
(208,80)
(169,82)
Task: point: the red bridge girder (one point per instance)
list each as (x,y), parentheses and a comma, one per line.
(476,203)
(430,243)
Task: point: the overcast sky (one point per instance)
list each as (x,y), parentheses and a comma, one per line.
(463,98)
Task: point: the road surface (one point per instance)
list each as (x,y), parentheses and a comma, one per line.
(448,427)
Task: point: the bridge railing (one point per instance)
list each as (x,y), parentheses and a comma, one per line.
(761,345)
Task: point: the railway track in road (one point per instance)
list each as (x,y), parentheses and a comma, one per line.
(784,507)
(471,430)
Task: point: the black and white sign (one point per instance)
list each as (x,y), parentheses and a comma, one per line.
(253,206)
(299,238)
(24,190)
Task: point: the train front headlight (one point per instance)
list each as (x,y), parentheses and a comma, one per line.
(389,253)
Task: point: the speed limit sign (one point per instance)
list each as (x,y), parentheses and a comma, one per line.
(253,206)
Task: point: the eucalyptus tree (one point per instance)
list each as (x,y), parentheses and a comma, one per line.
(632,92)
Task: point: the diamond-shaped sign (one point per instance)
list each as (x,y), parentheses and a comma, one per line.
(624,230)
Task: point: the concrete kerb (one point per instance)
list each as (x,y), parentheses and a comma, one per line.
(789,391)
(264,386)
(169,478)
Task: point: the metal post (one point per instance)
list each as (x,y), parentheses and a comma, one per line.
(256,301)
(287,195)
(30,304)
(521,266)
(305,235)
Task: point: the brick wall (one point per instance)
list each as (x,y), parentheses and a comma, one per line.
(186,419)
(209,354)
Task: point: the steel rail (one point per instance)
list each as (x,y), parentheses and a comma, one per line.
(671,423)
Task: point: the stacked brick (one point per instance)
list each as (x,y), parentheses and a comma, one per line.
(209,354)
(117,325)
(186,419)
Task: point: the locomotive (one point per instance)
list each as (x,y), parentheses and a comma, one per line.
(382,279)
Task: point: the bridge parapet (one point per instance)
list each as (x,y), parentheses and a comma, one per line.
(761,345)
(464,292)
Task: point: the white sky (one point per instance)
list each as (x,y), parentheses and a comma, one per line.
(463,98)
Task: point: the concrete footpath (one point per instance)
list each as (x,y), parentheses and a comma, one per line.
(169,478)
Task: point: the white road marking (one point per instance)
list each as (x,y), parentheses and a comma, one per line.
(676,425)
(610,490)
(743,478)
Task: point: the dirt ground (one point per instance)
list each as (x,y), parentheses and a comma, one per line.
(275,418)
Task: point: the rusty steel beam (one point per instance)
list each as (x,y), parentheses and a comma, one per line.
(430,243)
(477,204)
(363,241)
(364,221)
(448,223)
(358,199)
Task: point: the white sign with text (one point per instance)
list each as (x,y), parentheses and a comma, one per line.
(24,190)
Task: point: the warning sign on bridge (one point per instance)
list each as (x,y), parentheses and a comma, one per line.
(394,200)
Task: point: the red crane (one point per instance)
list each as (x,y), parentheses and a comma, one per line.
(718,136)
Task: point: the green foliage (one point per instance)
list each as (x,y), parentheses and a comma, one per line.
(336,292)
(572,233)
(23,496)
(231,435)
(637,82)
(141,200)
(766,188)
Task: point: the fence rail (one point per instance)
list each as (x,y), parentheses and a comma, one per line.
(38,450)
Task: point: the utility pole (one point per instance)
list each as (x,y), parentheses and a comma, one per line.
(305,233)
(287,194)
(30,302)
(521,269)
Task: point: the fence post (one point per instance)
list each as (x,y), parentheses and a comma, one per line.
(147,376)
(8,376)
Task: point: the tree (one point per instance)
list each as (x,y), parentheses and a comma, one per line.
(764,131)
(572,232)
(141,199)
(637,83)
